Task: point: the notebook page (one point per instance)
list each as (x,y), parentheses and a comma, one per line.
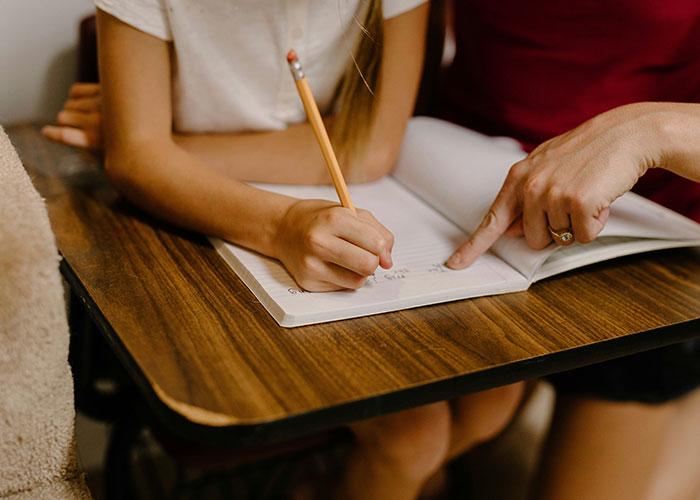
(634,215)
(645,225)
(473,167)
(603,248)
(465,171)
(457,171)
(423,241)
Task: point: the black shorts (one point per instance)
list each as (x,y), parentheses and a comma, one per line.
(653,377)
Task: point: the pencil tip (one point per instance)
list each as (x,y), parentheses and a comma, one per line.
(291,56)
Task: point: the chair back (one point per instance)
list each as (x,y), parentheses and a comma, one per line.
(37,438)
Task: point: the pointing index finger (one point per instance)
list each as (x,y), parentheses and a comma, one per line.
(504,210)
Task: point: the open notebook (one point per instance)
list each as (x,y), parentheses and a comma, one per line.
(445,179)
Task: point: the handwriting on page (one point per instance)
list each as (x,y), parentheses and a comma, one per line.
(381,277)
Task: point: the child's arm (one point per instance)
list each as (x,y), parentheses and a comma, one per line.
(289,156)
(293,156)
(401,69)
(323,245)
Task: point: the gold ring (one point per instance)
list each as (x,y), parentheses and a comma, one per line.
(562,236)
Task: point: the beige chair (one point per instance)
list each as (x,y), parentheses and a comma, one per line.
(37,438)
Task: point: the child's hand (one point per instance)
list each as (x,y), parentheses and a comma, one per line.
(327,247)
(80,120)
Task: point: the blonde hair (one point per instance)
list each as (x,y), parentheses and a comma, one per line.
(356,91)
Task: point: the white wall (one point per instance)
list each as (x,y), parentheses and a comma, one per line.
(38,40)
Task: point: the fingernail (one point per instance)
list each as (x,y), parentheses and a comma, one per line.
(455,260)
(387,256)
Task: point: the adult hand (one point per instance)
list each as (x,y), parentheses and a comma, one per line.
(570,181)
(327,247)
(80,120)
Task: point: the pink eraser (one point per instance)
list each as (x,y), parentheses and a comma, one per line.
(291,56)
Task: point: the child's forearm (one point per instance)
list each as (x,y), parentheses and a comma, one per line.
(292,156)
(324,246)
(289,156)
(174,185)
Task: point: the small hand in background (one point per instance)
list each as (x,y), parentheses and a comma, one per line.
(79,123)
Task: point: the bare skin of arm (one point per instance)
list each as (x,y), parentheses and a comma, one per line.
(289,156)
(324,246)
(571,180)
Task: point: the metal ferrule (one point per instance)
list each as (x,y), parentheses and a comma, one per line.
(295,68)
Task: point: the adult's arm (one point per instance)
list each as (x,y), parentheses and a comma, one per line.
(571,180)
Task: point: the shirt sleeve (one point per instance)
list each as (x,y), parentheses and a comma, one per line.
(149,16)
(393,8)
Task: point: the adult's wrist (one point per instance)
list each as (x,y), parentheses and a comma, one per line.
(676,136)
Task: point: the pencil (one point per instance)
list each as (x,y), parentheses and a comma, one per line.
(314,117)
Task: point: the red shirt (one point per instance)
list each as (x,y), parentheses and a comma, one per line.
(533,70)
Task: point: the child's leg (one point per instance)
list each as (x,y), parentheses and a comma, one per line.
(476,418)
(600,449)
(482,416)
(396,454)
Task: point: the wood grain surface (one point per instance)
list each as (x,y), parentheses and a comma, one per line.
(199,341)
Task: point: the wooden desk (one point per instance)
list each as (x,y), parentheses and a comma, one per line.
(214,364)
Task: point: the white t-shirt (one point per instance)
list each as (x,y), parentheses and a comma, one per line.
(230,70)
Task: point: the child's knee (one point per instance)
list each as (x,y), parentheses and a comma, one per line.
(485,414)
(413,443)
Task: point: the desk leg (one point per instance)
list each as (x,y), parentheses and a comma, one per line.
(118,482)
(98,378)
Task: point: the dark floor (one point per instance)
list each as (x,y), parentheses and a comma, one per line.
(156,476)
(503,469)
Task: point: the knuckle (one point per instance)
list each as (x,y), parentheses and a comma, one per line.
(555,194)
(569,198)
(307,266)
(357,282)
(517,170)
(313,242)
(578,203)
(532,187)
(368,264)
(333,216)
(380,242)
